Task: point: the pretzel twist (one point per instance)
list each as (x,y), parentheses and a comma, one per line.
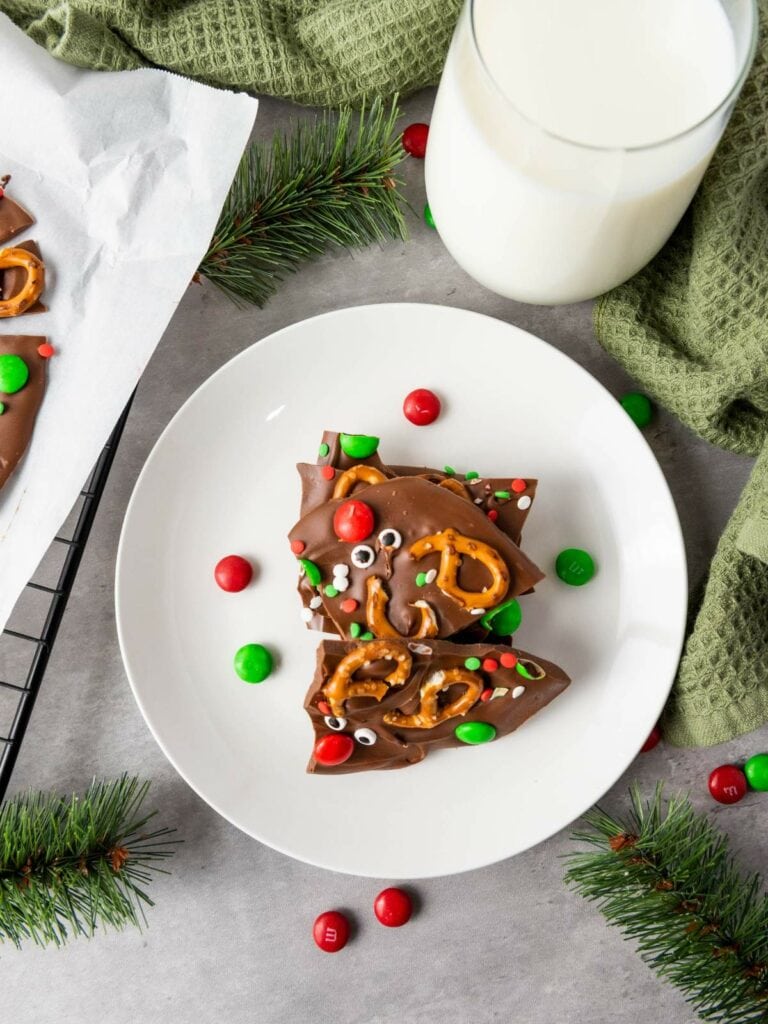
(429,715)
(355,475)
(452,546)
(33,285)
(341,685)
(376,614)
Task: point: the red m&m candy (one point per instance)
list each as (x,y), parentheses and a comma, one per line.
(728,784)
(415,139)
(353,521)
(421,407)
(393,907)
(334,748)
(653,738)
(331,931)
(233,573)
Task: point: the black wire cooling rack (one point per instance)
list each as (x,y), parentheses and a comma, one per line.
(27,642)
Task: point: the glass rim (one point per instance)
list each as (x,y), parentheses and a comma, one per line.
(730,96)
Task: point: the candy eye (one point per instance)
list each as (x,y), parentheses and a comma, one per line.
(367,737)
(362,556)
(337,724)
(390,539)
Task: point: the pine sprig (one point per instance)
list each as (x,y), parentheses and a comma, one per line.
(67,866)
(666,877)
(330,182)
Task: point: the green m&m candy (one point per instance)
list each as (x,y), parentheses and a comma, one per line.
(504,619)
(474,732)
(311,571)
(14,373)
(358,446)
(756,770)
(253,663)
(429,220)
(638,407)
(575,567)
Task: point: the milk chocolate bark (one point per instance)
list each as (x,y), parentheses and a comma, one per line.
(13,218)
(432,565)
(20,408)
(13,279)
(396,724)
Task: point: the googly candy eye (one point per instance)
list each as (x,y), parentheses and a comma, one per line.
(367,737)
(390,538)
(337,724)
(362,556)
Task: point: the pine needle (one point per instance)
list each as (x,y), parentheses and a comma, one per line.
(666,877)
(331,182)
(67,866)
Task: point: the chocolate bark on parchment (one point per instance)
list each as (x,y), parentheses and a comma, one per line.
(13,218)
(20,409)
(512,694)
(422,535)
(13,279)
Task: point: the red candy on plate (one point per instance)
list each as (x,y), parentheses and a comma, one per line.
(728,784)
(421,407)
(653,738)
(393,907)
(233,573)
(415,139)
(353,521)
(334,748)
(331,931)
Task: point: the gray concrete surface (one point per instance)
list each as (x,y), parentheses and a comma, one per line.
(229,939)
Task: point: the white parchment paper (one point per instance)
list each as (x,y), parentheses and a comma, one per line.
(125,174)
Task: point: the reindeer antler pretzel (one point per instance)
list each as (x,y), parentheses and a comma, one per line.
(341,685)
(33,285)
(448,482)
(429,715)
(376,613)
(355,475)
(451,546)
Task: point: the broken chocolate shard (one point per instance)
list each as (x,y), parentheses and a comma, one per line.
(20,408)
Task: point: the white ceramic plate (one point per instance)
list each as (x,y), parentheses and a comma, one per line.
(221,479)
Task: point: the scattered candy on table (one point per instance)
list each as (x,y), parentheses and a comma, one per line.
(415,139)
(421,407)
(638,407)
(331,931)
(429,220)
(728,784)
(653,739)
(575,567)
(233,573)
(393,907)
(253,663)
(756,771)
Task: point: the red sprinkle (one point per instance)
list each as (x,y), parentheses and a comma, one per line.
(728,784)
(493,514)
(518,486)
(349,605)
(490,665)
(653,738)
(297,546)
(421,407)
(328,472)
(324,707)
(415,139)
(331,931)
(486,695)
(45,350)
(508,660)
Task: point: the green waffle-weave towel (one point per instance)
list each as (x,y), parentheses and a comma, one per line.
(322,52)
(693,328)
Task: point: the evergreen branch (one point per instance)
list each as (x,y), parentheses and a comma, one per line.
(666,877)
(67,866)
(330,183)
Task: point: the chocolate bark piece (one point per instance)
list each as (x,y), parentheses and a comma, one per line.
(514,698)
(13,218)
(406,583)
(20,408)
(14,279)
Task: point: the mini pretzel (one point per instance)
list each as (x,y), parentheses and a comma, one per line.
(456,486)
(428,715)
(354,475)
(33,285)
(452,546)
(376,614)
(341,685)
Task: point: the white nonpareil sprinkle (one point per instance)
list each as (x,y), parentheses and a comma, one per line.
(524,502)
(341,569)
(316,602)
(476,611)
(500,691)
(431,576)
(306,614)
(518,692)
(340,582)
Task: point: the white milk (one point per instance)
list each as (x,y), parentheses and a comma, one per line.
(540,219)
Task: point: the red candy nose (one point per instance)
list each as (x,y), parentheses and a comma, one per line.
(333,749)
(353,521)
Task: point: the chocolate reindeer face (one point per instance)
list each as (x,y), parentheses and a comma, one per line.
(387,703)
(410,560)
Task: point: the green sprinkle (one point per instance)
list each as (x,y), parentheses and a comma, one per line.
(429,219)
(2,408)
(471,476)
(367,636)
(502,494)
(358,446)
(473,664)
(355,630)
(449,471)
(331,591)
(311,571)
(421,579)
(323,450)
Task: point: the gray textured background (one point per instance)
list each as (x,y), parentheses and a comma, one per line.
(229,939)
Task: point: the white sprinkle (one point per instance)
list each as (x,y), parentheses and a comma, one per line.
(524,502)
(340,582)
(500,691)
(419,648)
(341,569)
(316,602)
(306,614)
(476,611)
(518,692)
(431,576)
(479,501)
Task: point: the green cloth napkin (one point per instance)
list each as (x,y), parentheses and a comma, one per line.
(322,52)
(693,329)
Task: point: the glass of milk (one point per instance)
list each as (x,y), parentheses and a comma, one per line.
(569,136)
